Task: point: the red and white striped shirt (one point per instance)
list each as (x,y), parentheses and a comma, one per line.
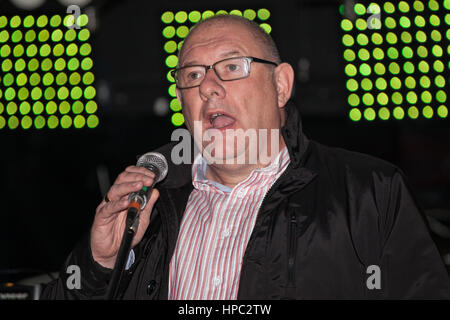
(214,232)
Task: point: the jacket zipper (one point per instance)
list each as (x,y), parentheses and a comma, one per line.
(292,233)
(273,187)
(292,237)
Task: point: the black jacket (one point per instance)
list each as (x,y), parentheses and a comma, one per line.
(322,231)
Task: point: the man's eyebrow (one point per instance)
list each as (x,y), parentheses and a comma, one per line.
(229,53)
(223,55)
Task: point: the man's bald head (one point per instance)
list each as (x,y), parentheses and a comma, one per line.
(263,39)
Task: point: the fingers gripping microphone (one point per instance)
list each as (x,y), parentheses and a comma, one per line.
(156,163)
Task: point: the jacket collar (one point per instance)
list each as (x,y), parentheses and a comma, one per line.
(292,131)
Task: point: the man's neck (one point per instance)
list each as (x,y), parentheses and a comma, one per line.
(229,175)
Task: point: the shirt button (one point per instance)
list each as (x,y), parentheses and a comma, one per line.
(240,193)
(216,281)
(226,233)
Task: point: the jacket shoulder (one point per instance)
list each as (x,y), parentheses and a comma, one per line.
(357,179)
(338,159)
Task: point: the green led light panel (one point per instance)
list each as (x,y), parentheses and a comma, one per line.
(176,26)
(46,76)
(396,56)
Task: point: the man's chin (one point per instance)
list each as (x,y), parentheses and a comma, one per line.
(241,147)
(228,156)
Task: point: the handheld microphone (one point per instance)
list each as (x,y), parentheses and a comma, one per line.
(156,163)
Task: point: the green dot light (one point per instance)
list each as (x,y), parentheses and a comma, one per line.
(346,25)
(32,50)
(365,69)
(66,122)
(384,113)
(427,112)
(362,39)
(4,36)
(359,9)
(363,54)
(410,82)
(194,16)
(182,32)
(35,79)
(92,121)
(399,69)
(168,32)
(237,12)
(181,16)
(91,107)
(28,21)
(13,122)
(11,108)
(366,84)
(74,78)
(368,99)
(263,14)
(355,114)
(407,52)
(398,113)
(177,119)
(348,40)
(170,46)
(442,111)
(382,99)
(349,55)
(79,121)
(381,84)
(352,85)
(57,35)
(38,56)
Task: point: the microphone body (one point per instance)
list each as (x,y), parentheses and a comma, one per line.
(141,196)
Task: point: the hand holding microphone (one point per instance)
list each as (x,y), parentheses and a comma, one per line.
(133,189)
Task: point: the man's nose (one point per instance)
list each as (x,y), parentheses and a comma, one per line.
(211,86)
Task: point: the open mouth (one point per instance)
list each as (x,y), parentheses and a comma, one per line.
(220,120)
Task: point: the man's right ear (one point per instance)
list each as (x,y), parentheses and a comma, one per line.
(284,80)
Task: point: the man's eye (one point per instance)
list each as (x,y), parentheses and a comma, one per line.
(233,67)
(194,75)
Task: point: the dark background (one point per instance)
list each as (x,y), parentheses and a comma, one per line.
(49,186)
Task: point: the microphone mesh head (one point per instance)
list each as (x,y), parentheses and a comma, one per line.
(154,159)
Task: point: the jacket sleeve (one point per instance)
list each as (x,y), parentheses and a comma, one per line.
(411,266)
(80,277)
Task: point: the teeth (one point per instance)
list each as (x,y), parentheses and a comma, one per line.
(214,116)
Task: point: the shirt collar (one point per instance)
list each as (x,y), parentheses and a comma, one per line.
(200,165)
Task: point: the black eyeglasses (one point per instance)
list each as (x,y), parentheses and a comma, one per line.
(226,70)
